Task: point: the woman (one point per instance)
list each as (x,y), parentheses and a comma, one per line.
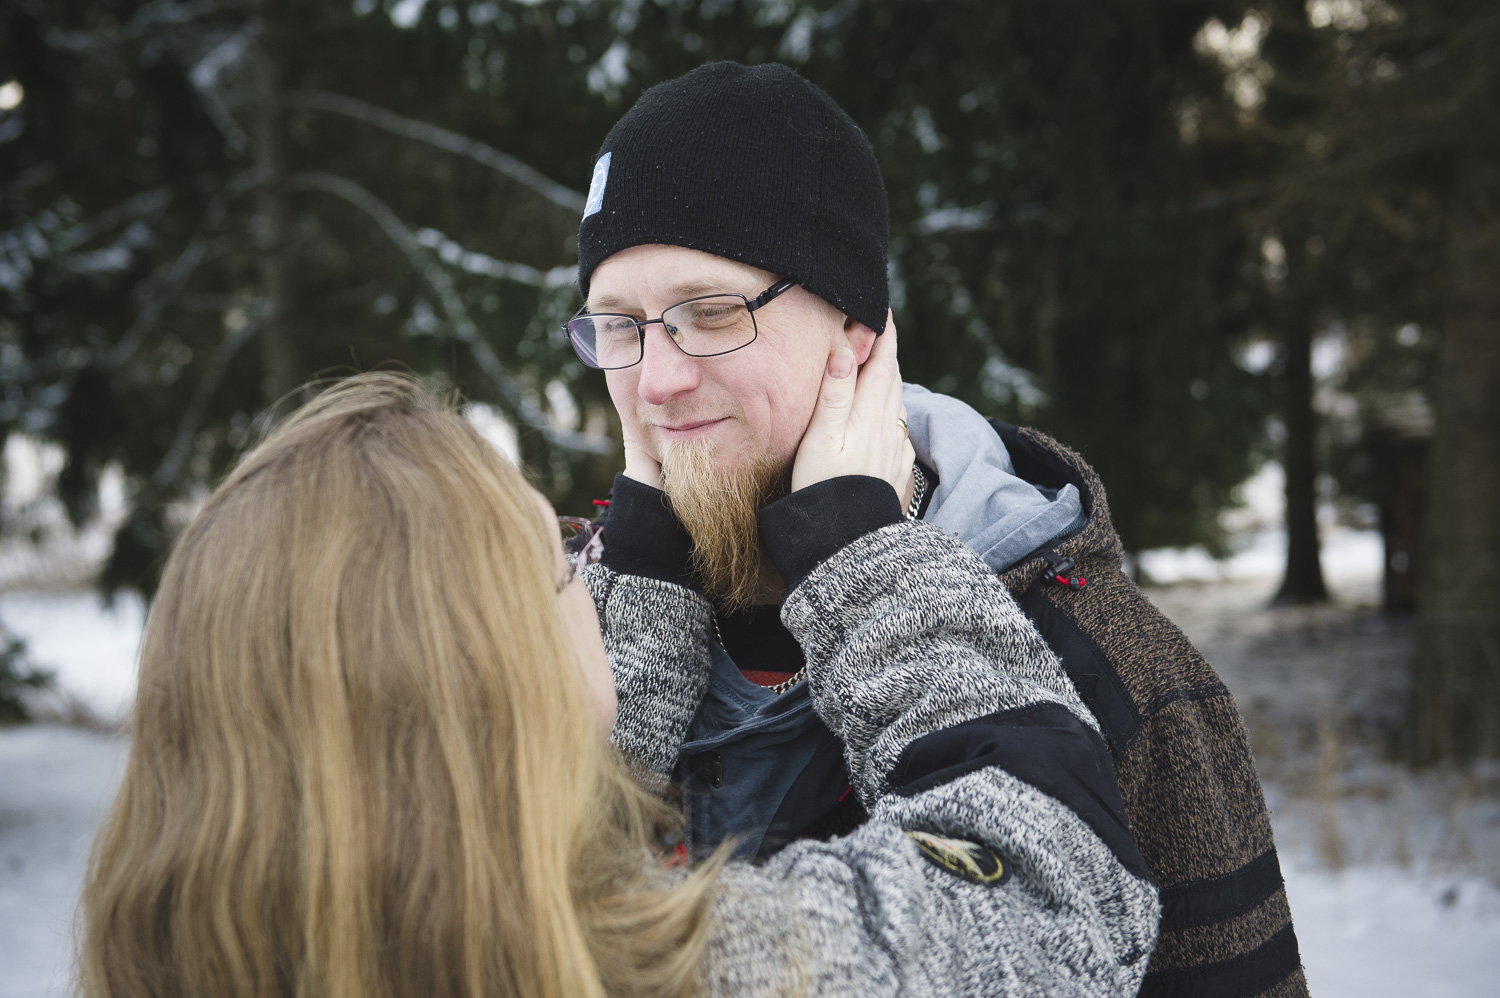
(369,759)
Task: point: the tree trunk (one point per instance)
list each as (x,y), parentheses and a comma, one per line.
(282,368)
(1455,689)
(1303,582)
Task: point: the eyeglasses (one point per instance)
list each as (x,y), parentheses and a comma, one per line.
(583,543)
(708,326)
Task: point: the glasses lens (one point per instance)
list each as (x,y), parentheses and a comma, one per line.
(707,326)
(605,341)
(578,534)
(583,543)
(574,532)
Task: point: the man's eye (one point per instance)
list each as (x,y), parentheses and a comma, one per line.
(716,316)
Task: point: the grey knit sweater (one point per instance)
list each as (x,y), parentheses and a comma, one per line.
(956,720)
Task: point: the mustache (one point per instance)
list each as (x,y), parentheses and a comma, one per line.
(679,414)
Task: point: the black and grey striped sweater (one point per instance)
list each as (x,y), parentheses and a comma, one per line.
(957,721)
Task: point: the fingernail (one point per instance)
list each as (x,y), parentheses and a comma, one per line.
(841,364)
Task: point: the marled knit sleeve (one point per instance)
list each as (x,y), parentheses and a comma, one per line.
(907,632)
(656,637)
(957,721)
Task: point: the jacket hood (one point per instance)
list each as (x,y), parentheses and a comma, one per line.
(1039,458)
(1000,514)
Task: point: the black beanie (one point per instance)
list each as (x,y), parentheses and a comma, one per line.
(751,163)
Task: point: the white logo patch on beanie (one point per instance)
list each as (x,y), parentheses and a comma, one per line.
(596,186)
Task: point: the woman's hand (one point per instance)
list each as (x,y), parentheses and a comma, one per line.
(856,428)
(639,465)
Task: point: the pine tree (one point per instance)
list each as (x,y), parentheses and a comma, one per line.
(1379,145)
(207,204)
(222,199)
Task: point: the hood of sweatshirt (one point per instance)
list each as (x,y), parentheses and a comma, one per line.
(979,497)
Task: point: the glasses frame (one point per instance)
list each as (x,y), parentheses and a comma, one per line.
(582,551)
(751,305)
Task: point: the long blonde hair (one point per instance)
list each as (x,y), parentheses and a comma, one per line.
(365,762)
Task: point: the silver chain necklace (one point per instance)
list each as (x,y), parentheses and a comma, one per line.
(919,492)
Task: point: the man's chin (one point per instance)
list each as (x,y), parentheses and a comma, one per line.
(724,457)
(716,502)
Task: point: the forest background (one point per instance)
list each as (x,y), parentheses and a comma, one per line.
(1130,224)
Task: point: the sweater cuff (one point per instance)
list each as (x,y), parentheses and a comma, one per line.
(811,525)
(643,537)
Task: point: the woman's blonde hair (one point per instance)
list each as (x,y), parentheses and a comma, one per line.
(365,762)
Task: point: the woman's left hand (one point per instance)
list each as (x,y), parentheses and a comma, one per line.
(857,427)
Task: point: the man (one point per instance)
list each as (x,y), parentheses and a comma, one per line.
(732,254)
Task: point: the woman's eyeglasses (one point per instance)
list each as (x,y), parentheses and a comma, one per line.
(583,543)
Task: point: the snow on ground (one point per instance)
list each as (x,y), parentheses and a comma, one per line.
(1375,931)
(55,782)
(1366,931)
(90,647)
(1391,875)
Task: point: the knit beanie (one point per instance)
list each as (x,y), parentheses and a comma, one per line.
(751,163)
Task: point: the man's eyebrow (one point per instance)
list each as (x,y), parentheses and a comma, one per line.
(680,292)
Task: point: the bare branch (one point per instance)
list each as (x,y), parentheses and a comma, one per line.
(441,138)
(463,327)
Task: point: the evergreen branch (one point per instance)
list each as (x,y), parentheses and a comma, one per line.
(205,77)
(113,258)
(942,221)
(146,203)
(441,138)
(463,327)
(156,293)
(163,287)
(452,252)
(152,16)
(187,426)
(33,240)
(1211,200)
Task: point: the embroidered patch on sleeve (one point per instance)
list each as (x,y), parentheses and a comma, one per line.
(968,860)
(596,186)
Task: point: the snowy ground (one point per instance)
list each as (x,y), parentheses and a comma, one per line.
(55,786)
(1392,875)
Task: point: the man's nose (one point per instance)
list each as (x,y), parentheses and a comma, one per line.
(666,372)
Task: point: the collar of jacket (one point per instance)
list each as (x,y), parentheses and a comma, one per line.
(978,496)
(1040,459)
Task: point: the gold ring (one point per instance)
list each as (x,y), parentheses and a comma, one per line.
(904,431)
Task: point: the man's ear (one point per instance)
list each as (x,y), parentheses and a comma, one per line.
(861,339)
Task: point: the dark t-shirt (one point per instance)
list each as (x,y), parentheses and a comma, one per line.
(765,651)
